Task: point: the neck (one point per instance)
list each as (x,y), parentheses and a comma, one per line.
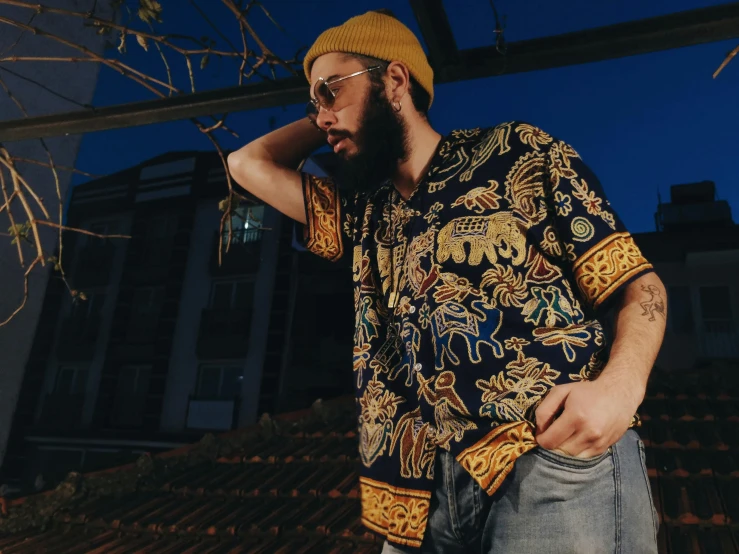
(422,141)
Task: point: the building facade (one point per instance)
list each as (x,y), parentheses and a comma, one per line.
(168,343)
(695,251)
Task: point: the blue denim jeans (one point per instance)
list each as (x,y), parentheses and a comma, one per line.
(549,503)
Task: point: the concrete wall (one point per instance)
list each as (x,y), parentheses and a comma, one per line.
(77,82)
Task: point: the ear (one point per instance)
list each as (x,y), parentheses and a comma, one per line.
(398,81)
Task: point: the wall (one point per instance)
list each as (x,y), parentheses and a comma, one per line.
(75,81)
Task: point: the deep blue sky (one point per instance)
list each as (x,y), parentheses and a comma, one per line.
(642,123)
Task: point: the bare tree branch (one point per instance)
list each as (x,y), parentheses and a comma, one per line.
(20,197)
(25,293)
(726,61)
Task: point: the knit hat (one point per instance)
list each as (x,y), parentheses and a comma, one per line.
(376,35)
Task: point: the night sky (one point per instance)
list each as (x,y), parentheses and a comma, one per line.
(642,123)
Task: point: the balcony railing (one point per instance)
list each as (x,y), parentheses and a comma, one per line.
(243,255)
(212,414)
(223,333)
(62,411)
(720,339)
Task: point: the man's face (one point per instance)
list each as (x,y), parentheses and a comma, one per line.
(365,132)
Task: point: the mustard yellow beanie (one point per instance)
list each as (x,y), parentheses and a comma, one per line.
(376,35)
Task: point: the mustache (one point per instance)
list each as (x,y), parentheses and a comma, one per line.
(339,134)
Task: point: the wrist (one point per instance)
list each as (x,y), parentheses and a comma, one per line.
(625,385)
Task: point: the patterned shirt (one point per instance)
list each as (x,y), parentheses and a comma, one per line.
(473,298)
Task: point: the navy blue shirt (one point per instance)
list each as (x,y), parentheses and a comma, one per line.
(473,298)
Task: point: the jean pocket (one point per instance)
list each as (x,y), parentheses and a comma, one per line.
(571,462)
(643,460)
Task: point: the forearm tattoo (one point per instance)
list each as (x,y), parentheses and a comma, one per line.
(655,304)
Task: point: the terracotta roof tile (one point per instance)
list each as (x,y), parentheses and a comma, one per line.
(289,484)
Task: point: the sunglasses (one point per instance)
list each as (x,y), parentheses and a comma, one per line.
(324,96)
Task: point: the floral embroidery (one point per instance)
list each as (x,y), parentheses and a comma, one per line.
(468,301)
(563,202)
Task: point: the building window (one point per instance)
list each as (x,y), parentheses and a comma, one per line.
(230,296)
(716,309)
(130,396)
(158,240)
(103,228)
(680,312)
(161,227)
(71,380)
(219,382)
(246,225)
(145,311)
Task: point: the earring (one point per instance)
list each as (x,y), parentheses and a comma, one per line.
(397,106)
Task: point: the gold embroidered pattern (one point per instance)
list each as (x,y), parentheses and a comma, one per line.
(607,265)
(480,199)
(497,139)
(323,212)
(582,229)
(533,136)
(376,425)
(524,188)
(484,234)
(492,458)
(397,513)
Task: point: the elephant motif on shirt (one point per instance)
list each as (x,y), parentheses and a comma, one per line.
(453,319)
(492,235)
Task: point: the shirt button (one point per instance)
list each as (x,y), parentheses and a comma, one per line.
(417,367)
(412,309)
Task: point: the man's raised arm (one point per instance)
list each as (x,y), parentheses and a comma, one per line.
(267,167)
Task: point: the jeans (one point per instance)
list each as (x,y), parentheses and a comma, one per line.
(549,503)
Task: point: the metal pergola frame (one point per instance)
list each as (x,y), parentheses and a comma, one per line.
(643,36)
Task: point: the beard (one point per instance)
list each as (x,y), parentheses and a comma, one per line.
(382,143)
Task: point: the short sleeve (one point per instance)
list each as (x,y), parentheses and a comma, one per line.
(603,254)
(328,228)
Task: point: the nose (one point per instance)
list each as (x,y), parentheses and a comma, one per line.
(326,118)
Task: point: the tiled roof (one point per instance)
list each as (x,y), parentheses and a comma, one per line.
(690,428)
(289,485)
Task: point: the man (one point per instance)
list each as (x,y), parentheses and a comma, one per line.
(493,415)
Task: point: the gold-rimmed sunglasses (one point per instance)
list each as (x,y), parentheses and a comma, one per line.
(324,97)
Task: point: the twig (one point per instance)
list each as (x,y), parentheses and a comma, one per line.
(265,51)
(20,36)
(726,61)
(7,203)
(8,163)
(25,293)
(59,167)
(11,218)
(60,205)
(121,68)
(43,87)
(166,66)
(214,26)
(29,212)
(100,22)
(189,71)
(76,230)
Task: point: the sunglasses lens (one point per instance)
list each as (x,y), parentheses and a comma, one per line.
(323,95)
